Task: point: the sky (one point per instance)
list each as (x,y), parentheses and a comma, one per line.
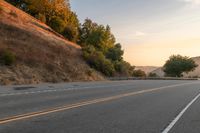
(149,30)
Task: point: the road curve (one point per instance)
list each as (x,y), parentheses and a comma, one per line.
(102,107)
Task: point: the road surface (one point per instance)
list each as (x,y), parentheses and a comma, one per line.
(143,106)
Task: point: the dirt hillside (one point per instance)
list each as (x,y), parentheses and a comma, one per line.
(41,55)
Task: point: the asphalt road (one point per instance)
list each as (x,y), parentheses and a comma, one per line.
(160,106)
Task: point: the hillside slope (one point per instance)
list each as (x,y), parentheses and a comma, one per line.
(146,69)
(42,55)
(195,73)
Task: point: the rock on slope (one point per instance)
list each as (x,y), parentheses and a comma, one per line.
(42,55)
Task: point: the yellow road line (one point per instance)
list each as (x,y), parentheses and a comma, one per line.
(80,104)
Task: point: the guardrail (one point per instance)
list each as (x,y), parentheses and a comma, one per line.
(149,78)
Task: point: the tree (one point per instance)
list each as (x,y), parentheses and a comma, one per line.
(115,53)
(124,68)
(96,35)
(97,60)
(55,13)
(177,64)
(57,24)
(139,73)
(71,31)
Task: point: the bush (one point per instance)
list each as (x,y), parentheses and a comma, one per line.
(70,33)
(57,24)
(14,14)
(7,58)
(124,68)
(139,73)
(41,17)
(152,75)
(97,60)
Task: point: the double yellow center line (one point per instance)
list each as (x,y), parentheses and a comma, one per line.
(80,104)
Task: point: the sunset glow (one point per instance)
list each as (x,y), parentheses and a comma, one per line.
(149,31)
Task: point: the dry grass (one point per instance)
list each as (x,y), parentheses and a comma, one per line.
(41,54)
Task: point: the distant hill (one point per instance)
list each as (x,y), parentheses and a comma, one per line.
(42,55)
(195,73)
(159,72)
(146,69)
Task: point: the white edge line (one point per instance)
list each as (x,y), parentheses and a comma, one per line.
(171,125)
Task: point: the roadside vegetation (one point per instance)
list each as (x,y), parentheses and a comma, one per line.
(100,49)
(139,73)
(153,75)
(7,58)
(177,65)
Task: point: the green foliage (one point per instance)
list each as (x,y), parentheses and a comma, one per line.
(57,24)
(139,73)
(7,58)
(72,28)
(96,35)
(17,3)
(115,53)
(97,60)
(97,41)
(55,13)
(41,17)
(177,64)
(152,75)
(124,68)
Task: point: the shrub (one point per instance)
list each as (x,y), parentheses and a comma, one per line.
(139,73)
(124,68)
(97,60)
(14,14)
(152,75)
(41,17)
(70,33)
(7,58)
(57,24)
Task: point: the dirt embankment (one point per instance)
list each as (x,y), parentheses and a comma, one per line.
(42,55)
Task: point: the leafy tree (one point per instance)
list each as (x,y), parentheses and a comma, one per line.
(124,68)
(55,13)
(96,35)
(139,73)
(98,43)
(17,3)
(71,30)
(178,64)
(97,60)
(115,53)
(57,24)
